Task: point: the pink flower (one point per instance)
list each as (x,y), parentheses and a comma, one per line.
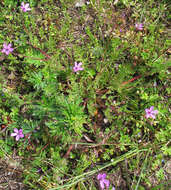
(151,112)
(18,133)
(139,26)
(103,181)
(25,7)
(77,67)
(7,48)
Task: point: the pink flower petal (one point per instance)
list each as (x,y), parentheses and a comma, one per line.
(13,134)
(21,135)
(103,175)
(11,49)
(79,65)
(151,108)
(26,5)
(16,130)
(99,176)
(155,112)
(20,131)
(146,110)
(3,51)
(5,45)
(9,45)
(7,52)
(74,69)
(102,184)
(106,182)
(17,137)
(153,116)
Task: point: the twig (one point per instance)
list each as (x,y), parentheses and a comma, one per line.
(34,58)
(131,80)
(41,51)
(163,52)
(3,130)
(69,150)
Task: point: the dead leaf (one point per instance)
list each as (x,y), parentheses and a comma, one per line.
(87,138)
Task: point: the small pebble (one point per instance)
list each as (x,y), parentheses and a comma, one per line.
(105,120)
(80,3)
